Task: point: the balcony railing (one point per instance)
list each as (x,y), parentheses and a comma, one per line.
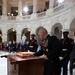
(26,17)
(59,7)
(38,15)
(11,17)
(41,14)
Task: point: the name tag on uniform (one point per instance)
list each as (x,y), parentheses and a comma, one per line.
(31,46)
(64,49)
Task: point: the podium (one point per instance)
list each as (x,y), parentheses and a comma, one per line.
(25,66)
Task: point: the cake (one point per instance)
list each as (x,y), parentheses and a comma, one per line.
(24,54)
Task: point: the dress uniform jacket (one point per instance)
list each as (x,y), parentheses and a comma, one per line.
(33,45)
(67,46)
(51,47)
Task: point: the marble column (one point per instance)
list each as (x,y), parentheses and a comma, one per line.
(18,37)
(34,14)
(20,7)
(51,5)
(19,17)
(4,37)
(34,6)
(4,10)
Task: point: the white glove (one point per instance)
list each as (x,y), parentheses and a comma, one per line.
(61,58)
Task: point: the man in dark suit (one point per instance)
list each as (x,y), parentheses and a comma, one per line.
(51,47)
(67,46)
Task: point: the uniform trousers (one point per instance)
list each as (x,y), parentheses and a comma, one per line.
(64,65)
(52,67)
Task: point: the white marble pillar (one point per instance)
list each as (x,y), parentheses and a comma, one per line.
(34,14)
(20,7)
(34,6)
(19,10)
(51,5)
(4,10)
(4,37)
(18,37)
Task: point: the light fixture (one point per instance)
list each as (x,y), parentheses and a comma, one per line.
(13,30)
(25,9)
(0,35)
(8,14)
(29,30)
(16,10)
(11,14)
(60,1)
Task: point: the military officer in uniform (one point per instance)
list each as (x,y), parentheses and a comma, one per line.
(67,45)
(51,48)
(33,44)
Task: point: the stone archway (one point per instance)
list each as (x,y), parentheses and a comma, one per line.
(57,30)
(72,29)
(26,32)
(11,35)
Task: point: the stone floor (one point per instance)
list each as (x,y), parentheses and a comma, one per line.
(3,64)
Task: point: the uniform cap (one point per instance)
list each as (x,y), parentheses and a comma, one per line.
(32,34)
(65,30)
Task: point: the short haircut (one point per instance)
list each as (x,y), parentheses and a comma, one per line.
(43,30)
